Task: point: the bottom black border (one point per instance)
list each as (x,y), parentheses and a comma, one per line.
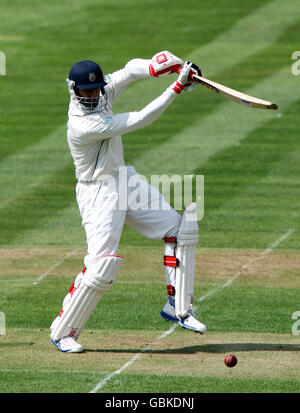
(142,401)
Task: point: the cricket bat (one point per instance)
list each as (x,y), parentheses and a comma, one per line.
(234,95)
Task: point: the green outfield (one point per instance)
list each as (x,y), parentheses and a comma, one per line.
(247,261)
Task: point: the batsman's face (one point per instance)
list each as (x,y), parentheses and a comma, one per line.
(91,93)
(90,98)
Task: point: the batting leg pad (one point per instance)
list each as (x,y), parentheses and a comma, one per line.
(85,298)
(187,239)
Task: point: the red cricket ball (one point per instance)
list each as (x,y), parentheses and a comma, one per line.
(230,360)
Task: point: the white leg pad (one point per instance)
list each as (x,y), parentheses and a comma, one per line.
(187,239)
(86,297)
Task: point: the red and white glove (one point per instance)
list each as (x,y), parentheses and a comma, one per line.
(195,70)
(183,80)
(164,63)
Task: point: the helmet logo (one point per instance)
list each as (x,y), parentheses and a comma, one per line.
(92,77)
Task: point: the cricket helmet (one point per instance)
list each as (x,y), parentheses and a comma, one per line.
(87,74)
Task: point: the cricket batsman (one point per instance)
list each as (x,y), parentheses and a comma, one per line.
(94,138)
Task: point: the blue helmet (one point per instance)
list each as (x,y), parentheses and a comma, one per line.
(87,75)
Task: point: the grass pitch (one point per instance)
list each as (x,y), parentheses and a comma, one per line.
(247,272)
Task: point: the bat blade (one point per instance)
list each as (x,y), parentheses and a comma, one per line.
(234,95)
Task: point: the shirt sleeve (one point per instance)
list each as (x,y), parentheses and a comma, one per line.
(117,81)
(127,122)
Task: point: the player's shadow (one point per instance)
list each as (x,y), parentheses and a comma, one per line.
(207,348)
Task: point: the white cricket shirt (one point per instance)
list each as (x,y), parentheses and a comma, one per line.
(94,137)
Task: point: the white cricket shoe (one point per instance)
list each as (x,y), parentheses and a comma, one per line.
(68,345)
(189,321)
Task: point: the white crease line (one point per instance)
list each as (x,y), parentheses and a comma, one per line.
(131,361)
(167,333)
(279,241)
(115,373)
(42,276)
(201,299)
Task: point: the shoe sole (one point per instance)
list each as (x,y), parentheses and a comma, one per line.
(168,317)
(190,328)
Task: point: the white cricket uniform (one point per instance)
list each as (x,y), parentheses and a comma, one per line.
(94,138)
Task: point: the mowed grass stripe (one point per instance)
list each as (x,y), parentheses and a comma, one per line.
(25,170)
(37,205)
(18,14)
(256,167)
(219,59)
(247,37)
(33,88)
(251,189)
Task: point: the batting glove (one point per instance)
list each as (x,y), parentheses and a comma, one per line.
(195,70)
(183,78)
(164,63)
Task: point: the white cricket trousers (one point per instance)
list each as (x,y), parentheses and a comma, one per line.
(124,198)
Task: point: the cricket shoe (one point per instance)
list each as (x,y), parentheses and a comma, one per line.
(189,321)
(68,345)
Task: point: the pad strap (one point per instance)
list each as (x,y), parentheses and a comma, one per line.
(171,290)
(170,261)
